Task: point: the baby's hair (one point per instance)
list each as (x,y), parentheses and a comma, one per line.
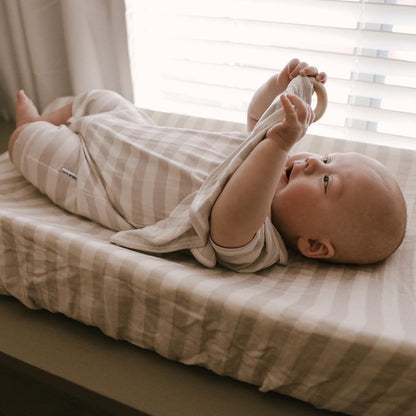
(374,232)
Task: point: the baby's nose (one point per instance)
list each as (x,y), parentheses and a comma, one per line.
(311,163)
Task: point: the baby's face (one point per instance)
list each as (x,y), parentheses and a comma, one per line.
(317,193)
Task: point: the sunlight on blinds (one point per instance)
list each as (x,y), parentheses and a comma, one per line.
(207,58)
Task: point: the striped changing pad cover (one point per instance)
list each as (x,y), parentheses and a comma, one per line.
(340,337)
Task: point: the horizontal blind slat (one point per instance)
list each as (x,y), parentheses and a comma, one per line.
(265,57)
(244,77)
(288,35)
(230,97)
(235,79)
(288,11)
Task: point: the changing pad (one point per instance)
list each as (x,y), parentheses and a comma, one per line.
(340,337)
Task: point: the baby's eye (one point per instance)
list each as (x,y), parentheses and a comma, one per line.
(325,159)
(326,181)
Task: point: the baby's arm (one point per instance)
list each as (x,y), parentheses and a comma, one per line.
(244,203)
(275,85)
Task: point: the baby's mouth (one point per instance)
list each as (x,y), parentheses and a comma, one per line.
(289,171)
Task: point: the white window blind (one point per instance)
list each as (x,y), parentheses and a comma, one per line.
(206,58)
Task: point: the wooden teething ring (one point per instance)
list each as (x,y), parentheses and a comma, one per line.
(322,98)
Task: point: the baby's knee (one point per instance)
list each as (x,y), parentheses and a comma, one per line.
(102,101)
(12,140)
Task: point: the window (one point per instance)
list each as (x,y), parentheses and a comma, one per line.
(206,58)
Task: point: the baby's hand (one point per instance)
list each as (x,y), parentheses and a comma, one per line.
(294,68)
(298,117)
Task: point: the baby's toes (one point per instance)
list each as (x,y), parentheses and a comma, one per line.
(23,98)
(25,109)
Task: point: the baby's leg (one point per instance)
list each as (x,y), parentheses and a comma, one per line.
(48,156)
(58,117)
(26,113)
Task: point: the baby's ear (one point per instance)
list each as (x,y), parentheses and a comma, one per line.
(316,249)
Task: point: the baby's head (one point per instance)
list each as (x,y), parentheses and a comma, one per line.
(344,208)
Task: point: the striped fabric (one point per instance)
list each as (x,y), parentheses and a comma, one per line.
(340,337)
(155,185)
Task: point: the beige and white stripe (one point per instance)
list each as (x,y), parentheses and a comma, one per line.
(340,337)
(154,184)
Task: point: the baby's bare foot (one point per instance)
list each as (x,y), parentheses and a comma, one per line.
(26,111)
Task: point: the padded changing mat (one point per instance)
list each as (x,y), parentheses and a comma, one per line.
(340,337)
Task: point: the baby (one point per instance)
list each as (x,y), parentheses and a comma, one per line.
(340,207)
(344,208)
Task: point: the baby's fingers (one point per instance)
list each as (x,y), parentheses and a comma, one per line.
(312,71)
(288,106)
(296,110)
(298,106)
(304,110)
(296,70)
(309,71)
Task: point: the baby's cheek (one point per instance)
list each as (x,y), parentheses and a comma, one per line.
(287,206)
(297,198)
(304,193)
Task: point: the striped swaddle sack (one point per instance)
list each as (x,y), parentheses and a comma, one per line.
(156,185)
(112,164)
